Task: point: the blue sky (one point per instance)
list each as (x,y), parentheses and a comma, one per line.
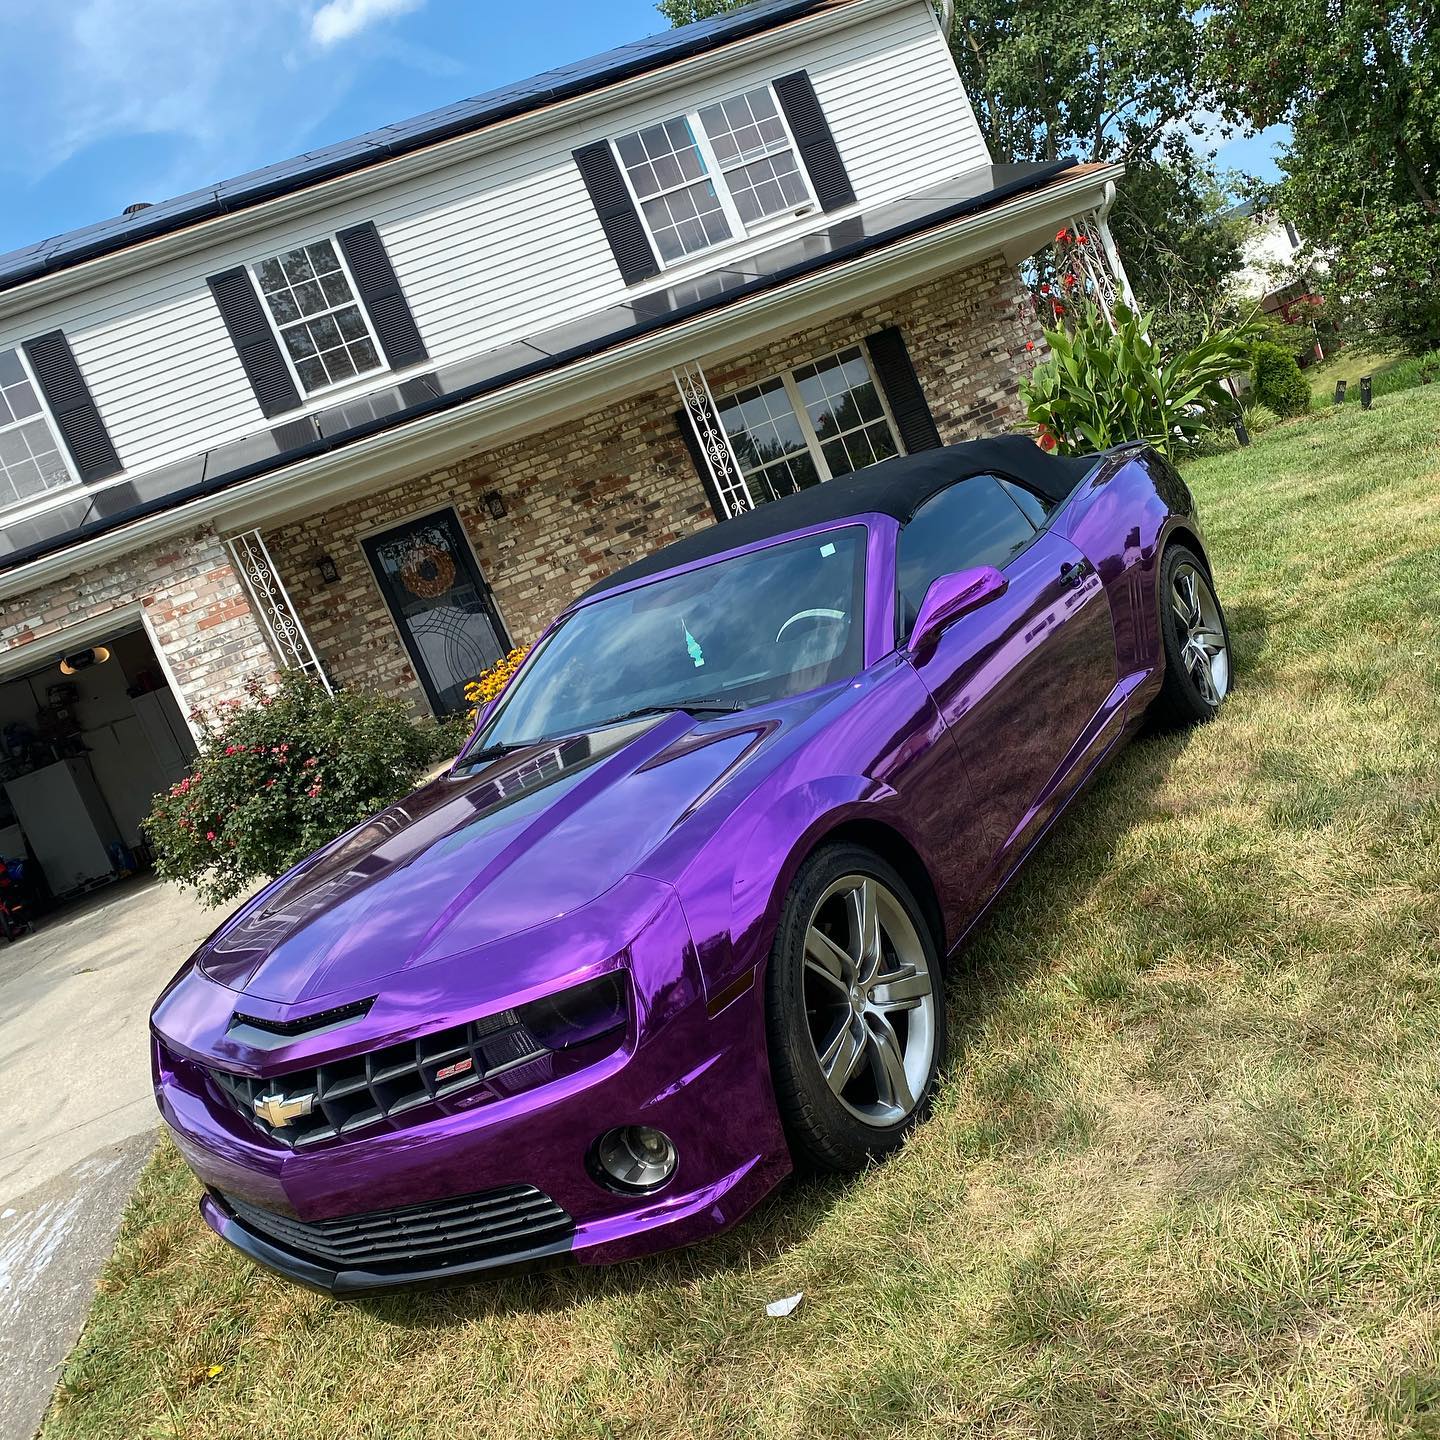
(144,99)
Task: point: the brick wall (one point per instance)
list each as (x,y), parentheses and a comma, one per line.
(191,596)
(585,498)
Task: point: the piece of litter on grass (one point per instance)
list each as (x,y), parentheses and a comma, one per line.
(778,1309)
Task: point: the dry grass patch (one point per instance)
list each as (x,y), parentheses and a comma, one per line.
(1182,1179)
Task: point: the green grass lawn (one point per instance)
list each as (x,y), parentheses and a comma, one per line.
(1184,1175)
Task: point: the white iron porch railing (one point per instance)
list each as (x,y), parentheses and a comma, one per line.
(278,615)
(1098,259)
(715,446)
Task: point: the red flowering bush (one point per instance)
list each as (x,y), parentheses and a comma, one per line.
(278,775)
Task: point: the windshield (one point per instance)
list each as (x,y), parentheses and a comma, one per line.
(741,631)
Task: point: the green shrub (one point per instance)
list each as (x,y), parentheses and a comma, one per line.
(1297,340)
(1276,381)
(278,775)
(1102,387)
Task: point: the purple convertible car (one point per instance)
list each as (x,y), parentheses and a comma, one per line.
(677,919)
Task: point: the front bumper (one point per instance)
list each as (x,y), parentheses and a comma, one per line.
(357,1282)
(702,1079)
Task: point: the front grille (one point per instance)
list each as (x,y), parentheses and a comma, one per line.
(494,1224)
(347,1095)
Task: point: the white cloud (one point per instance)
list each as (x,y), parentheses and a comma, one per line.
(206,73)
(340,19)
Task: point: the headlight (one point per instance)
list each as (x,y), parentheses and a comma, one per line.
(584,1012)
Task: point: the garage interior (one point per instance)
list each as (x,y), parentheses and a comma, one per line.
(85,743)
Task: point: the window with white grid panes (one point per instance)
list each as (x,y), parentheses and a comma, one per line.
(32,460)
(807,425)
(320,323)
(707,177)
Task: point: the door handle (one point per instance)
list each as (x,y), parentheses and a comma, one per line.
(1074,572)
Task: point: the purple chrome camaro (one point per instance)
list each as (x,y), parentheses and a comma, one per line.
(677,918)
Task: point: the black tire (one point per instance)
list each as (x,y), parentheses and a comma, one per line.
(823,1131)
(1182,702)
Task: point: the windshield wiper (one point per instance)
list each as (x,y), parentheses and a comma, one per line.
(690,707)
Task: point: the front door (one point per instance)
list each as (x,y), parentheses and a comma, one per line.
(441,604)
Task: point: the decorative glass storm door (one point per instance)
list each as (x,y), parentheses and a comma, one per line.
(441,604)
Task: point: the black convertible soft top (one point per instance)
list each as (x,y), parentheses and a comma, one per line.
(897,487)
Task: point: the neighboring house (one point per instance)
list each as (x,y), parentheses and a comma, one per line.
(380,410)
(1270,270)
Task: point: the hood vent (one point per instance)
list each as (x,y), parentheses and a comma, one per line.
(271,1034)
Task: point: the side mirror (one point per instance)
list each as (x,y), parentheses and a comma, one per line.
(951,596)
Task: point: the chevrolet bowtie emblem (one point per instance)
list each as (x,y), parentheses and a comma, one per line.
(277,1110)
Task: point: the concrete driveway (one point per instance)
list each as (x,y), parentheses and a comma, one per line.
(76,1116)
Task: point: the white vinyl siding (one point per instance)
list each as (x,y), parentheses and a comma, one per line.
(505,244)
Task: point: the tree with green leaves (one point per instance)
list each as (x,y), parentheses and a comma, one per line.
(1358,82)
(1101,81)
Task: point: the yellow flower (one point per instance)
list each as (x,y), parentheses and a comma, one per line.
(489,683)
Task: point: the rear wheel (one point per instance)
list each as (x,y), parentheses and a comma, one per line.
(1196,640)
(855,1010)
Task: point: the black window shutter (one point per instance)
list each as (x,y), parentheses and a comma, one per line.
(385,302)
(244,314)
(817,146)
(618,216)
(76,415)
(902,389)
(697,458)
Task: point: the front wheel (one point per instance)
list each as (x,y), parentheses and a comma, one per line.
(855,1010)
(1196,640)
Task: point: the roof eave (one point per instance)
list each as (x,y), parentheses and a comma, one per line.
(548,398)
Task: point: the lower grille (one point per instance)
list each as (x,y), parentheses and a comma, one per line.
(491,1225)
(347,1095)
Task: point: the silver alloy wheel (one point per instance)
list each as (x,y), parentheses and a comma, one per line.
(869,1000)
(1203,651)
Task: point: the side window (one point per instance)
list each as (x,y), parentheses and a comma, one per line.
(1037,510)
(974,522)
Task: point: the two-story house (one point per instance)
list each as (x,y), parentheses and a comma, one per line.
(382,409)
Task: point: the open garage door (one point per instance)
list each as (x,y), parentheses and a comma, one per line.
(85,744)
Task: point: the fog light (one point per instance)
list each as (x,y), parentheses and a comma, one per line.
(635,1157)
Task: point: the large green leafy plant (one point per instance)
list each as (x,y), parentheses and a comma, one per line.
(1102,386)
(278,775)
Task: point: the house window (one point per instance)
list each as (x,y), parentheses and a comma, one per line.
(807,425)
(707,177)
(324,332)
(31,460)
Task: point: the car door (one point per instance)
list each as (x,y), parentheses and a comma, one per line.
(1021,681)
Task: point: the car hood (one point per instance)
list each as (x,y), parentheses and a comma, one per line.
(473,857)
